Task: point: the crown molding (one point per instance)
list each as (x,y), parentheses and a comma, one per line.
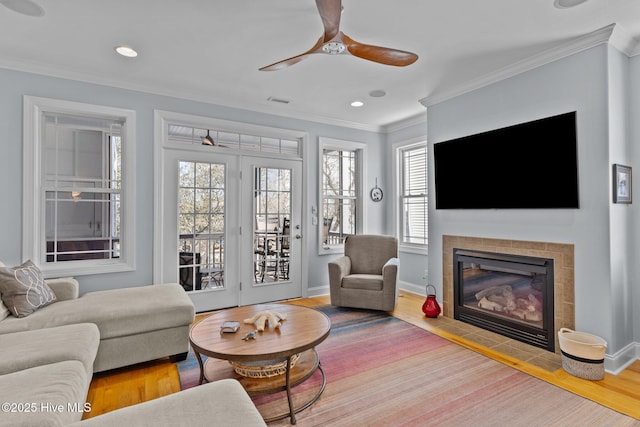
(613,34)
(46,70)
(417,119)
(622,40)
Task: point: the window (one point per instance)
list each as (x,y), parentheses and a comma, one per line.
(413,209)
(234,140)
(78,161)
(341,204)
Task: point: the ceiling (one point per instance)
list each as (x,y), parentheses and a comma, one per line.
(211,50)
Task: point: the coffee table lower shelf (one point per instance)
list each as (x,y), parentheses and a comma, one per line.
(305,367)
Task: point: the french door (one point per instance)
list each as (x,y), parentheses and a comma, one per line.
(231,228)
(199,227)
(271,230)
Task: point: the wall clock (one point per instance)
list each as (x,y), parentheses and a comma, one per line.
(376,193)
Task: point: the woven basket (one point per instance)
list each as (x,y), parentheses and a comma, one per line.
(263,369)
(582,354)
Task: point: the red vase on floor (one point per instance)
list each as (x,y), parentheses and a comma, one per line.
(431,308)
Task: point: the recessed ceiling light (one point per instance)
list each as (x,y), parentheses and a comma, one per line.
(24,7)
(565,4)
(126,51)
(377,93)
(357,104)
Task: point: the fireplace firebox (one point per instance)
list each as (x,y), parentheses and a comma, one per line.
(511,295)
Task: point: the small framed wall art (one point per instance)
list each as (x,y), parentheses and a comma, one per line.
(621,177)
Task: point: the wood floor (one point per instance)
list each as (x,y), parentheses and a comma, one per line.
(129,386)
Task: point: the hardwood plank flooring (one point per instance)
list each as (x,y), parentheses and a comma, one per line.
(131,385)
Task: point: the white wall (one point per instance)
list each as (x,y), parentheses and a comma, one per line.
(620,221)
(634,131)
(576,83)
(14,85)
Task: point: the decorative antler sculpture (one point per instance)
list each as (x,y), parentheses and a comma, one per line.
(261,318)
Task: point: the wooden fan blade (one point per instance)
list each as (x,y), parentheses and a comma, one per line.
(284,63)
(294,59)
(330,11)
(382,55)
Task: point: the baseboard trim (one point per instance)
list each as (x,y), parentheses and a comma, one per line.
(318,291)
(413,288)
(620,360)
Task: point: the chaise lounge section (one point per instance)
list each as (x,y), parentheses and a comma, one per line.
(136,324)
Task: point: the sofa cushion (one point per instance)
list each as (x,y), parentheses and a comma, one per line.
(24,350)
(4,311)
(220,403)
(23,289)
(49,395)
(117,312)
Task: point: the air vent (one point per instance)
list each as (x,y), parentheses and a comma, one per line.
(278,100)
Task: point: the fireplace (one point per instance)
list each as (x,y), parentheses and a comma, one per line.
(512,295)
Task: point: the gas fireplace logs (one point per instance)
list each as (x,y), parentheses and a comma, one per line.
(501,299)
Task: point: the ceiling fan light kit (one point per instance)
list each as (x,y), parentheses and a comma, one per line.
(333,48)
(335,42)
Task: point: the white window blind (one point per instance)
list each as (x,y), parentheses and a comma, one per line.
(414,196)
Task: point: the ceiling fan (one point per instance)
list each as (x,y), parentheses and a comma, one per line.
(335,42)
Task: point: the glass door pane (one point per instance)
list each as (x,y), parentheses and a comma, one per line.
(271,267)
(201,224)
(272,232)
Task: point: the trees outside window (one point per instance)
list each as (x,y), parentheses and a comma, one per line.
(341,168)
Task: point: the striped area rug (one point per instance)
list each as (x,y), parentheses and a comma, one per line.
(382,371)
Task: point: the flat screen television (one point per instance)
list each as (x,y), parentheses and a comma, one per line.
(531,165)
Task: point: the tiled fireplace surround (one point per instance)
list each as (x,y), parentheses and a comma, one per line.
(564,302)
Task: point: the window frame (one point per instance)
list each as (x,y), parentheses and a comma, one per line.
(34,221)
(360,149)
(398,173)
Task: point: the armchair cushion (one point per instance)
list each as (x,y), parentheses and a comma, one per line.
(371,282)
(369,253)
(23,289)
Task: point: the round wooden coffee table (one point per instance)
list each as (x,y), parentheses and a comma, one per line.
(293,343)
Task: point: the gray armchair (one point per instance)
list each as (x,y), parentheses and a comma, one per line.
(365,277)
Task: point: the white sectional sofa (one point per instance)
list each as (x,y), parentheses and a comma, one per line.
(47,360)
